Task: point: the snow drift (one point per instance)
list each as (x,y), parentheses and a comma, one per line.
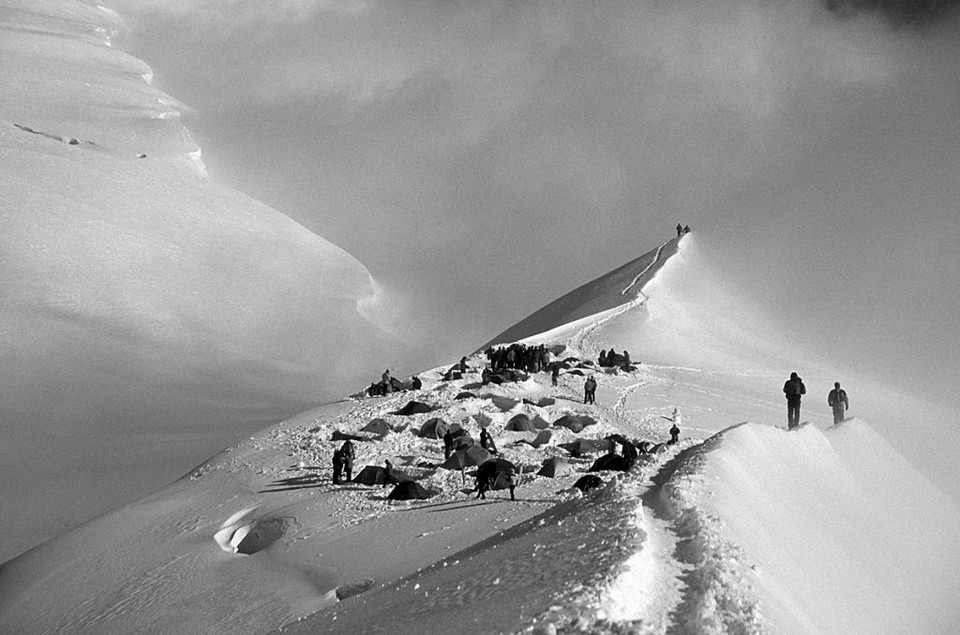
(139,296)
(811,531)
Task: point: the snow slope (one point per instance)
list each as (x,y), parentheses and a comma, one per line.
(740,527)
(142,302)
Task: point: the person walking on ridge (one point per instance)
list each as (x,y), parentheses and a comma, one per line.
(793,389)
(837,399)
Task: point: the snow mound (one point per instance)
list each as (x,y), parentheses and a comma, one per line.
(812,531)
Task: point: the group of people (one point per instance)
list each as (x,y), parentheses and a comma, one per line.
(389,384)
(794,389)
(485,482)
(682,229)
(611,358)
(532,359)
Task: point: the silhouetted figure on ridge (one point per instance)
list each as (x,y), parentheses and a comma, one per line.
(679,230)
(674,434)
(837,400)
(793,389)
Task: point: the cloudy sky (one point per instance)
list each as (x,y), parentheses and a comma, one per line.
(482,159)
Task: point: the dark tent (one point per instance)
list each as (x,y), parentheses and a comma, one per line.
(543,438)
(505,375)
(377,426)
(587,446)
(556,466)
(542,401)
(575,423)
(464,440)
(453,373)
(503,403)
(588,482)
(408,490)
(474,455)
(465,395)
(540,423)
(571,422)
(377,475)
(414,408)
(613,462)
(433,428)
(343,436)
(520,423)
(497,471)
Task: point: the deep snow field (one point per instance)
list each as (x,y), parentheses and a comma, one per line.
(149,314)
(136,290)
(741,527)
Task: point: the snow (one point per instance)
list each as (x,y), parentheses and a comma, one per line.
(740,527)
(143,276)
(140,296)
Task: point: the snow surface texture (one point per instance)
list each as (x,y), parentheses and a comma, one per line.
(740,527)
(141,300)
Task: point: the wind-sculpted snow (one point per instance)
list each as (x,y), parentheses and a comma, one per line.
(810,531)
(620,287)
(139,296)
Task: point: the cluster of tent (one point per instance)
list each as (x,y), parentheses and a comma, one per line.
(468,452)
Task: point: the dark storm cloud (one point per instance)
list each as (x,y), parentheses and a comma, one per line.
(899,12)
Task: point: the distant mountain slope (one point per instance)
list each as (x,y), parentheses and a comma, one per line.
(620,286)
(148,313)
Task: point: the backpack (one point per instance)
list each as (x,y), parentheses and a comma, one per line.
(792,389)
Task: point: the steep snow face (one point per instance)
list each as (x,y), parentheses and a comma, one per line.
(143,304)
(830,531)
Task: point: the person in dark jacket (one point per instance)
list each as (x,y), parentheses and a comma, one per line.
(590,390)
(679,230)
(674,434)
(486,441)
(337,466)
(347,454)
(388,475)
(512,482)
(482,485)
(793,389)
(416,383)
(837,399)
(555,374)
(447,444)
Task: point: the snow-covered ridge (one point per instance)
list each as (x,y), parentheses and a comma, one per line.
(740,527)
(621,286)
(815,530)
